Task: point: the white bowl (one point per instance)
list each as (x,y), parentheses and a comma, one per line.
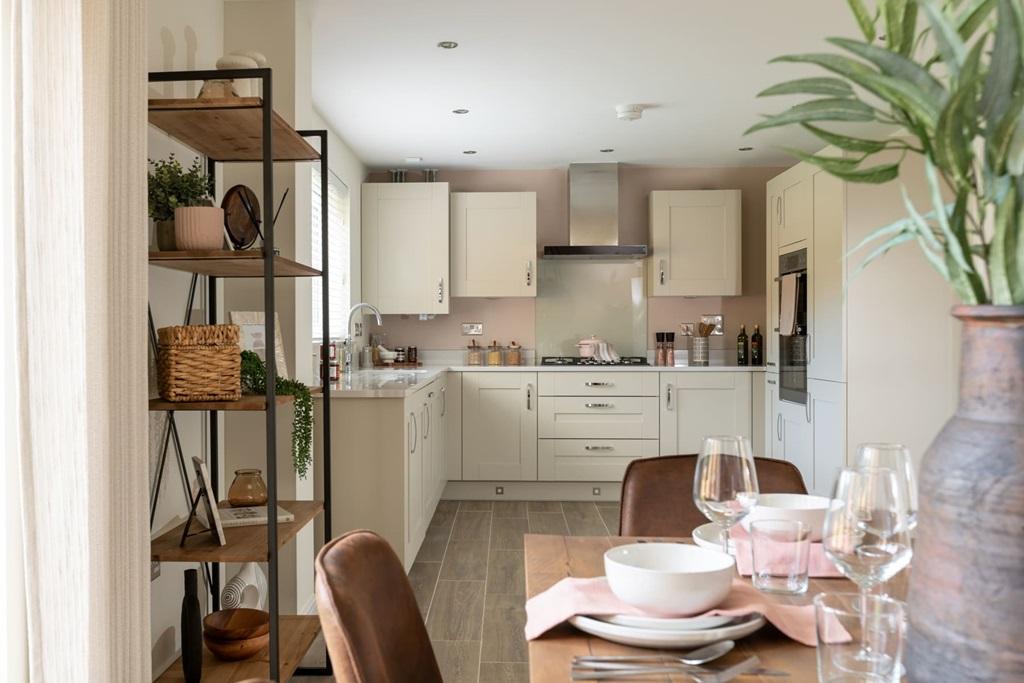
(669,579)
(793,506)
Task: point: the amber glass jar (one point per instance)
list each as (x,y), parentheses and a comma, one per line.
(247,489)
(514,355)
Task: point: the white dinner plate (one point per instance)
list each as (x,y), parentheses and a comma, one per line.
(710,536)
(656,638)
(668,623)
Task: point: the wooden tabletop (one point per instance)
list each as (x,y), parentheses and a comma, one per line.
(549,559)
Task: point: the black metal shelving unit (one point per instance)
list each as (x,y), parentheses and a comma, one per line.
(243,130)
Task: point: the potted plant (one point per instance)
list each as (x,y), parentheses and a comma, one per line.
(947,80)
(254,381)
(180,201)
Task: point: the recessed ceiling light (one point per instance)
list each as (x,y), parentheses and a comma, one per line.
(469,151)
(413,160)
(746,149)
(447,45)
(606,150)
(460,111)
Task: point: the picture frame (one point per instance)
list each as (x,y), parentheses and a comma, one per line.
(252,333)
(205,495)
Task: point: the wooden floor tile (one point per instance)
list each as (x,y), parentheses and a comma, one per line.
(459,661)
(465,560)
(457,610)
(584,519)
(423,577)
(472,525)
(544,506)
(434,544)
(507,533)
(548,523)
(509,508)
(506,573)
(610,516)
(504,620)
(475,505)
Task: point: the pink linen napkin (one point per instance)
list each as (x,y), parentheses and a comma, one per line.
(818,564)
(592,597)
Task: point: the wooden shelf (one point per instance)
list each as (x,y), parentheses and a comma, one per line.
(222,263)
(228,129)
(256,402)
(296,636)
(245,543)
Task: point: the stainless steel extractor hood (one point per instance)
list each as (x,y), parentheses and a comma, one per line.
(594,216)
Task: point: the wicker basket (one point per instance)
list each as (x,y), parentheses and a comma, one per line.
(199,363)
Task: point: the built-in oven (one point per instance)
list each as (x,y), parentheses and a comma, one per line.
(792,328)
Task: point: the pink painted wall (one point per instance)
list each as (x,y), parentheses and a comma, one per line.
(508,319)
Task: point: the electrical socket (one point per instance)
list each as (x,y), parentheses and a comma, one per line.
(154,571)
(686,329)
(716,319)
(472,329)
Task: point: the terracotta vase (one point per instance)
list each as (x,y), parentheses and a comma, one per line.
(165,236)
(199,228)
(966,600)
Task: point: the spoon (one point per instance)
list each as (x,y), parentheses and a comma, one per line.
(701,655)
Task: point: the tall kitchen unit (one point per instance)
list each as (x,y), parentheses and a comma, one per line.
(878,355)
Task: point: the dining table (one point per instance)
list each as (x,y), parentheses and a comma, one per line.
(549,559)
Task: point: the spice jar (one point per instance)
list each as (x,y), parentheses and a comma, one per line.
(659,348)
(670,349)
(247,489)
(412,355)
(514,356)
(494,353)
(399,354)
(474,354)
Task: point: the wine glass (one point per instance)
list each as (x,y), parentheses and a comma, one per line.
(725,482)
(896,457)
(866,537)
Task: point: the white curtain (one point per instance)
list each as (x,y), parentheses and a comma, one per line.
(75,182)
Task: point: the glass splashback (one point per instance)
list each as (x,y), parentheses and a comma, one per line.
(576,299)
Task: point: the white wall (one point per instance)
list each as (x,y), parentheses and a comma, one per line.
(186,34)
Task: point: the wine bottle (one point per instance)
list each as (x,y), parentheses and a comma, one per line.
(756,347)
(741,347)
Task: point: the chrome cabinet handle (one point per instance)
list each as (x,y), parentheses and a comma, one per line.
(599,384)
(426,422)
(778,426)
(529,397)
(771,381)
(529,273)
(416,431)
(598,405)
(599,448)
(770,363)
(807,408)
(440,290)
(444,401)
(661,269)
(668,397)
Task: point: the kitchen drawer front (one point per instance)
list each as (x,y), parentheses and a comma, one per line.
(590,459)
(598,383)
(604,417)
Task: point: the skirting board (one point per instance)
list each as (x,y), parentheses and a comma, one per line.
(532,490)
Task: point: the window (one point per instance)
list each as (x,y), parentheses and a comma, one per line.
(340,270)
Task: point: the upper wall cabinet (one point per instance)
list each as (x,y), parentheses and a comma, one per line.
(406,247)
(494,243)
(695,243)
(791,205)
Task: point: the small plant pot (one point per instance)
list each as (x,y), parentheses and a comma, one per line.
(199,228)
(165,236)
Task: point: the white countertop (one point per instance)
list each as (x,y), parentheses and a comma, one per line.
(383,383)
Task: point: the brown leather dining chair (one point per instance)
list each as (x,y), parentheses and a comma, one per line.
(369,616)
(657,493)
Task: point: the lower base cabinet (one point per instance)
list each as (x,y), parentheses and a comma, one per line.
(499,426)
(590,459)
(695,404)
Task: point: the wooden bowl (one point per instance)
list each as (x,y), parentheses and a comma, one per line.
(234,650)
(240,623)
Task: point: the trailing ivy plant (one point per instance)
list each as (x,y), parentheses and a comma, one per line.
(948,76)
(254,373)
(171,186)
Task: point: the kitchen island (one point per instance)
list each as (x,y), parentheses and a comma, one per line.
(405,438)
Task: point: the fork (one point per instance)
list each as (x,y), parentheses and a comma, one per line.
(695,674)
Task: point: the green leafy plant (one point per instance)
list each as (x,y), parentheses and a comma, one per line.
(254,373)
(952,91)
(171,186)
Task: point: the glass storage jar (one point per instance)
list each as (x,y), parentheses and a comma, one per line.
(248,489)
(514,355)
(494,353)
(474,354)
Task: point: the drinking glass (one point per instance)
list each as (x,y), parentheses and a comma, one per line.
(848,625)
(725,482)
(780,553)
(865,531)
(896,457)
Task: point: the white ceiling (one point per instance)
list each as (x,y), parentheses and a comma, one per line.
(541,78)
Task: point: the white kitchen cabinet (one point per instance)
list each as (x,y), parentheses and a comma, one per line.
(792,206)
(828,424)
(405,247)
(772,447)
(494,244)
(826,275)
(451,409)
(417,466)
(590,459)
(614,383)
(499,426)
(598,417)
(698,404)
(794,438)
(695,243)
